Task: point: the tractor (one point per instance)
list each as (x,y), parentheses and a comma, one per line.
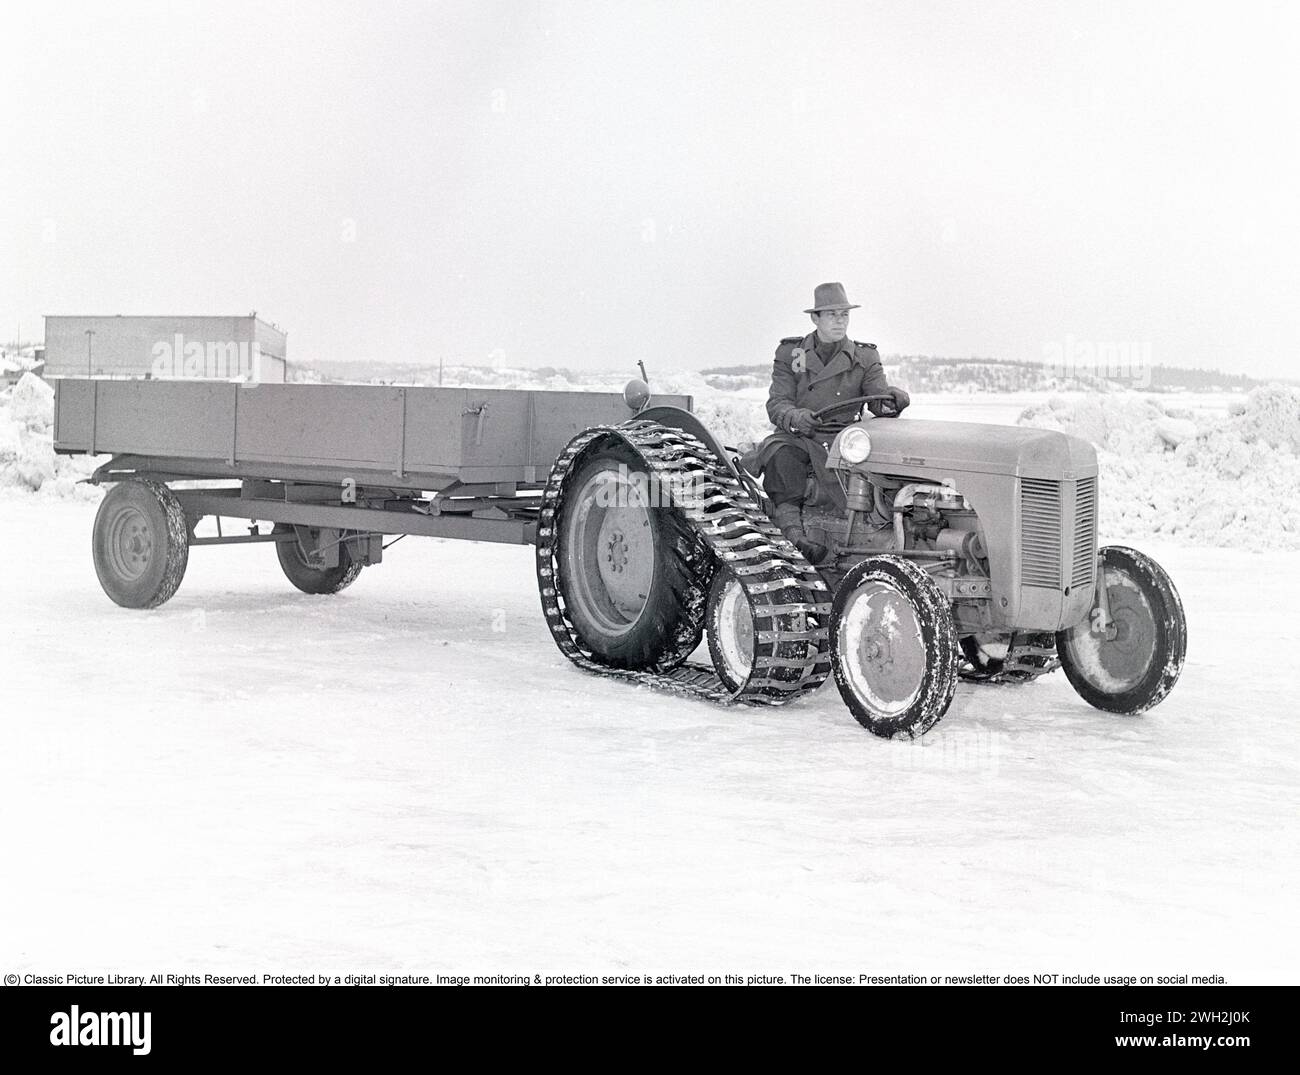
(956,551)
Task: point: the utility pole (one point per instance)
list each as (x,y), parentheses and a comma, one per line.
(89,333)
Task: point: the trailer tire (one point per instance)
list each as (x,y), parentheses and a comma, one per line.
(623,565)
(140,543)
(309,579)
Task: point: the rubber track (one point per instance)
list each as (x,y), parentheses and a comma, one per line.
(790,600)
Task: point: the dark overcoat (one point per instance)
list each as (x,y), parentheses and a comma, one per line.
(799,379)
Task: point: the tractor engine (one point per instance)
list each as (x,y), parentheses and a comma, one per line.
(1003,517)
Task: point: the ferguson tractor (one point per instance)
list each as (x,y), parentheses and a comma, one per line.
(957,550)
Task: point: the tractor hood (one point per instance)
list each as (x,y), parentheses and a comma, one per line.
(902,445)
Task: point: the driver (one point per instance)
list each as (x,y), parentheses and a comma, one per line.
(809,374)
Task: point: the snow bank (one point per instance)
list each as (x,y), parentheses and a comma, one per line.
(1199,478)
(27,459)
(31,403)
(736,417)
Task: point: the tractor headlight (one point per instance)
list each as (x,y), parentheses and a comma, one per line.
(855,445)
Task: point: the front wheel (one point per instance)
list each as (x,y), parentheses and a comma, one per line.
(893,647)
(1129,663)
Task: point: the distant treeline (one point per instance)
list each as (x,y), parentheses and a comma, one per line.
(419,372)
(915,372)
(928,373)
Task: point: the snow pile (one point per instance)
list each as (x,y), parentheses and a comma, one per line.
(27,459)
(735,417)
(1173,431)
(1202,479)
(738,382)
(737,423)
(1269,415)
(1122,424)
(31,403)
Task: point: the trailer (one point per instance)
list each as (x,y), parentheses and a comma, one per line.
(954,550)
(334,468)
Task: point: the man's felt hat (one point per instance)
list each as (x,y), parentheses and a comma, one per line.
(830,297)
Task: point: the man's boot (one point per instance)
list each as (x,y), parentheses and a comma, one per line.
(789,518)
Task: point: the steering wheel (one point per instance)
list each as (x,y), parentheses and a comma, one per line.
(858,402)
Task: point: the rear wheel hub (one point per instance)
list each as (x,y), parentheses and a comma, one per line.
(610,529)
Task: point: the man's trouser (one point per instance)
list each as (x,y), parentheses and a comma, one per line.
(785,477)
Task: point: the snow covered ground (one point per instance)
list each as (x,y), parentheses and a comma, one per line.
(410,776)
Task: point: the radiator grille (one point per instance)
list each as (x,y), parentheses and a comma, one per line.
(1040,532)
(1085,533)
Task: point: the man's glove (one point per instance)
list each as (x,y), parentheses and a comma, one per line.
(801,420)
(901,398)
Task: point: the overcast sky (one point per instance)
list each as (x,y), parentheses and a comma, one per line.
(588,184)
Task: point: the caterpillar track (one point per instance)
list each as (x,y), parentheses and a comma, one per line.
(725,525)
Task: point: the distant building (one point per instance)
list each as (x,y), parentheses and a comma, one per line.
(214,348)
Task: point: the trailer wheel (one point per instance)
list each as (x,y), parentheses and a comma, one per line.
(309,579)
(622,562)
(1129,665)
(140,543)
(893,647)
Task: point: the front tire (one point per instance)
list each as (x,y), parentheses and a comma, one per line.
(140,543)
(893,647)
(1129,665)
